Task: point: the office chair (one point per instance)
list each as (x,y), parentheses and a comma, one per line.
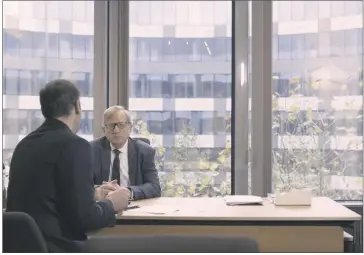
(171,244)
(145,140)
(21,234)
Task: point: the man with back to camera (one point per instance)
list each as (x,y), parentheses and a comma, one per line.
(51,175)
(122,161)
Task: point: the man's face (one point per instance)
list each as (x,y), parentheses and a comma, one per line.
(77,117)
(117,129)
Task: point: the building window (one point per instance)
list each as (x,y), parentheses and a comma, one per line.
(311,42)
(168,49)
(38,81)
(298,46)
(79,47)
(220,86)
(180,85)
(155,85)
(156,49)
(26,44)
(25,82)
(352,41)
(205,88)
(167,86)
(65,46)
(53,45)
(90,47)
(12,42)
(81,82)
(11,82)
(284,47)
(143,50)
(39,44)
(207,49)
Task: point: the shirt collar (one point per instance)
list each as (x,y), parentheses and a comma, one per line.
(123,149)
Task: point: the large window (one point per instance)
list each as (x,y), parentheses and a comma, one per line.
(318,100)
(183,108)
(52,46)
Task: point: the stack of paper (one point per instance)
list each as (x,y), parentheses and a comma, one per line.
(243,200)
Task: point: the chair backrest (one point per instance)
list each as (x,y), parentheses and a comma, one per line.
(171,244)
(21,234)
(146,140)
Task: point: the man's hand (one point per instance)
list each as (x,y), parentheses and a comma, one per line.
(110,186)
(119,198)
(100,193)
(104,189)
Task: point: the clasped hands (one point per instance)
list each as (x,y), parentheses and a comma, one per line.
(118,195)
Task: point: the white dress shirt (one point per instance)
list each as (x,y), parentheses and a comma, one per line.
(124,164)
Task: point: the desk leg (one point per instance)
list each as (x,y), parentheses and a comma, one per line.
(357,239)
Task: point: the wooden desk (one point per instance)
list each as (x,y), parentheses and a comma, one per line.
(315,228)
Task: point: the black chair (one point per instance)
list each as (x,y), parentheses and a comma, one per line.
(171,244)
(145,140)
(21,234)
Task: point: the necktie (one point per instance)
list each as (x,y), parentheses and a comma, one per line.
(116,166)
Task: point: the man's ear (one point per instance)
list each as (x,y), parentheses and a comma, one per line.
(78,107)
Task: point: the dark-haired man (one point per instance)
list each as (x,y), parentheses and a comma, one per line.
(51,175)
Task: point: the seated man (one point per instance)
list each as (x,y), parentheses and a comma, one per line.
(51,178)
(122,161)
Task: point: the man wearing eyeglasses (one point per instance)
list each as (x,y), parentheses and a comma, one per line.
(123,161)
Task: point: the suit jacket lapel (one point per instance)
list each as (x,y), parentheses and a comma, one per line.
(105,159)
(132,161)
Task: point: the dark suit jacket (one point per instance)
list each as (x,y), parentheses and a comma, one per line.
(51,180)
(143,174)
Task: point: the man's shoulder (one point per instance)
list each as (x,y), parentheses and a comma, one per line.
(97,142)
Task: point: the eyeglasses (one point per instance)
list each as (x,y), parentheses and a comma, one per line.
(120,125)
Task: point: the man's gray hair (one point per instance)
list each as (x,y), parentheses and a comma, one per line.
(116,108)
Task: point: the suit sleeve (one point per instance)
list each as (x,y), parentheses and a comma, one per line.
(75,179)
(151,186)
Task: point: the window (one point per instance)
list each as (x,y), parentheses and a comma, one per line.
(311,41)
(39,43)
(38,81)
(155,85)
(79,46)
(220,86)
(25,82)
(53,45)
(352,41)
(317,127)
(180,85)
(38,48)
(65,46)
(205,87)
(298,46)
(143,50)
(81,82)
(90,47)
(156,49)
(26,44)
(11,82)
(284,46)
(188,82)
(12,42)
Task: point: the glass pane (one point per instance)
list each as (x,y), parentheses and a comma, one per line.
(38,54)
(184,78)
(317,84)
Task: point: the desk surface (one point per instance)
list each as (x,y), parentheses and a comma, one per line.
(322,209)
